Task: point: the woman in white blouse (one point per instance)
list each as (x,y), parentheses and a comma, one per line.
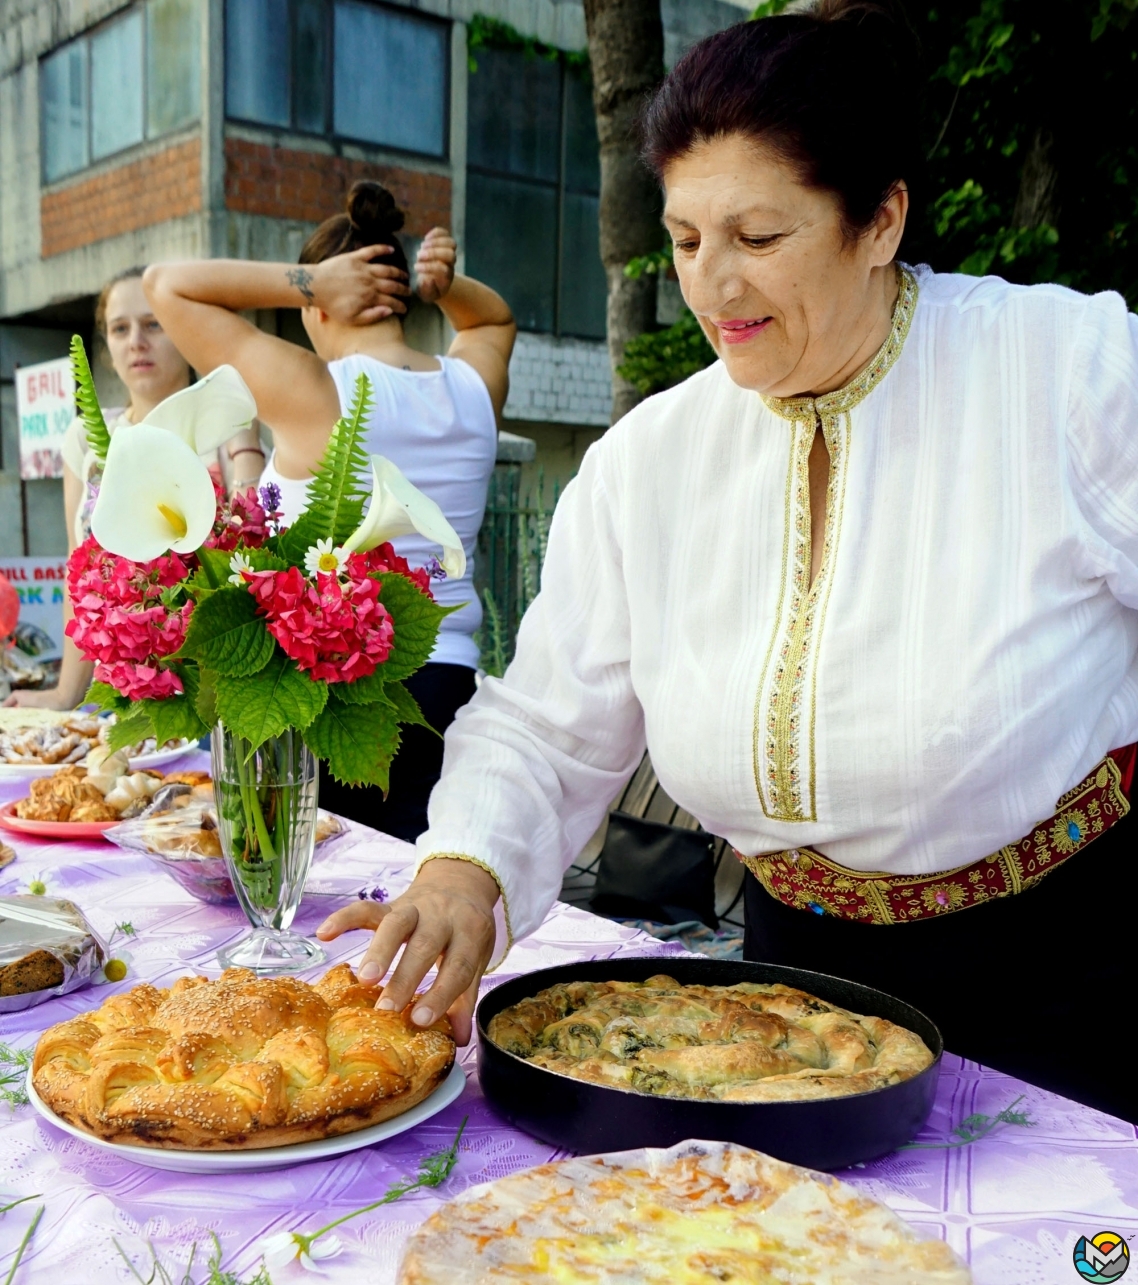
(866,588)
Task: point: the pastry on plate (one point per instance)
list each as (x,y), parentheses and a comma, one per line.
(750,1042)
(697,1214)
(238,1063)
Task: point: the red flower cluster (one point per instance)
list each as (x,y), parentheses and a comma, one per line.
(241,519)
(120,621)
(334,631)
(384,558)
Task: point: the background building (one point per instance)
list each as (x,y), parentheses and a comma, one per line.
(155,129)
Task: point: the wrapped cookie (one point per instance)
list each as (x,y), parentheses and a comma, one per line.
(47,948)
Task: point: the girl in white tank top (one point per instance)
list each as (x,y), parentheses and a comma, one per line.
(435,418)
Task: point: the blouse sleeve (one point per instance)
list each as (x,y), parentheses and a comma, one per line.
(531,764)
(1102,438)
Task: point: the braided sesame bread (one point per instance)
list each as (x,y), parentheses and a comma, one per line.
(243,1062)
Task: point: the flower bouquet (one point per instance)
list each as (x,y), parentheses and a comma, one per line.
(290,644)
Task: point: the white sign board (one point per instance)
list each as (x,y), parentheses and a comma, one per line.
(41,584)
(45,406)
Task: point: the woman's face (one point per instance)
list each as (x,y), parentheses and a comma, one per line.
(784,300)
(142,355)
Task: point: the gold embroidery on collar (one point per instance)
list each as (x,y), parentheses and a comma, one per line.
(785,704)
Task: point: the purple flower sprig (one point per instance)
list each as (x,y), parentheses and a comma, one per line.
(373,894)
(434,568)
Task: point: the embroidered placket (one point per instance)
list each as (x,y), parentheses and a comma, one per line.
(785,706)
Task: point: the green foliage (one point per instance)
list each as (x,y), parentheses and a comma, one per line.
(87,401)
(769,9)
(159,1274)
(417,618)
(650,264)
(493,642)
(406,706)
(337,491)
(492,33)
(205,698)
(131,728)
(265,704)
(176,718)
(977,1126)
(212,573)
(14,1064)
(107,698)
(226,634)
(662,358)
(357,742)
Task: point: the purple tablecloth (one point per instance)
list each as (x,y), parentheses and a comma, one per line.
(1013,1204)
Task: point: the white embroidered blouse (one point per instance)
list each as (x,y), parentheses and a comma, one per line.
(967,652)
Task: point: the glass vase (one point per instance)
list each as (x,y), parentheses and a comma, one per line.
(266,813)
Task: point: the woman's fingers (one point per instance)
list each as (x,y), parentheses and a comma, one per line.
(360,914)
(397,926)
(462,965)
(461,1014)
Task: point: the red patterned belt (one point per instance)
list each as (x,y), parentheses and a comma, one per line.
(807,880)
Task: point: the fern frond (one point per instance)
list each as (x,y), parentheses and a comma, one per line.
(87,400)
(339,487)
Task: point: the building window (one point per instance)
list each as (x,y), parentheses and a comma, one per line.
(134,78)
(532,191)
(343,68)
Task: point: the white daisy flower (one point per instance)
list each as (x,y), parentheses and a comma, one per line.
(324,558)
(289,1246)
(237,564)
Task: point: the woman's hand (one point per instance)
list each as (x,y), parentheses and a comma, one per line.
(352,289)
(446,916)
(434,265)
(51,698)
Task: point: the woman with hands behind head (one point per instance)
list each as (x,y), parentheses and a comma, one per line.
(433,417)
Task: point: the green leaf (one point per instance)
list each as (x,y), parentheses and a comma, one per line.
(364,691)
(131,728)
(227,635)
(406,706)
(107,697)
(416,618)
(357,742)
(176,718)
(337,492)
(87,401)
(205,699)
(263,559)
(265,704)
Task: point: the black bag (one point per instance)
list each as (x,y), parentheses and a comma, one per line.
(652,871)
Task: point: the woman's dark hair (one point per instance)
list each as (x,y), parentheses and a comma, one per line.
(371,218)
(127,274)
(833,89)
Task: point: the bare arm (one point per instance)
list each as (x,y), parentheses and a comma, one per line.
(482,318)
(198,304)
(74,672)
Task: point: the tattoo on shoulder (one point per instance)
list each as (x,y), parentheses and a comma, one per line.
(302,279)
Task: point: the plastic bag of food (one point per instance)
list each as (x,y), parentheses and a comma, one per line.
(179,832)
(47,948)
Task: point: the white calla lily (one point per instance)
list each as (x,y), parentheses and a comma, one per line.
(209,412)
(398,508)
(156,495)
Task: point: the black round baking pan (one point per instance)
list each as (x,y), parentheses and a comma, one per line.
(831,1133)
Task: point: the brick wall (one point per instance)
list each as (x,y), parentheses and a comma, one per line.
(286,183)
(164,185)
(560,381)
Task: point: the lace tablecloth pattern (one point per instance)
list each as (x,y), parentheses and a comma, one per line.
(1014,1204)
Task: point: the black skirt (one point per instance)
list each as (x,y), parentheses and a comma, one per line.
(1040,985)
(441,691)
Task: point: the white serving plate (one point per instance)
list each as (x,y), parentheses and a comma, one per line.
(156,758)
(266,1157)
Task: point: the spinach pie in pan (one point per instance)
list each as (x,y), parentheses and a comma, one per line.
(241,1062)
(748,1042)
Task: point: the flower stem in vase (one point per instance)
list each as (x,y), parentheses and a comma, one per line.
(267,820)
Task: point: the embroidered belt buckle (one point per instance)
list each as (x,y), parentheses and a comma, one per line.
(807,880)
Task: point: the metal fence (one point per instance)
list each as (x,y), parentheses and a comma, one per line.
(511,551)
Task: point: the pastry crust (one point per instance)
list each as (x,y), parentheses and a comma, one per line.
(240,1063)
(697,1214)
(744,1043)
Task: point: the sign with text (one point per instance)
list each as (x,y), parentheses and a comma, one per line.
(41,584)
(45,406)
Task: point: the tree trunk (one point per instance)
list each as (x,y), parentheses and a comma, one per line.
(626,50)
(1036,202)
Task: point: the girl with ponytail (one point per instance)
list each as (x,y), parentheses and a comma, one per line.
(435,418)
